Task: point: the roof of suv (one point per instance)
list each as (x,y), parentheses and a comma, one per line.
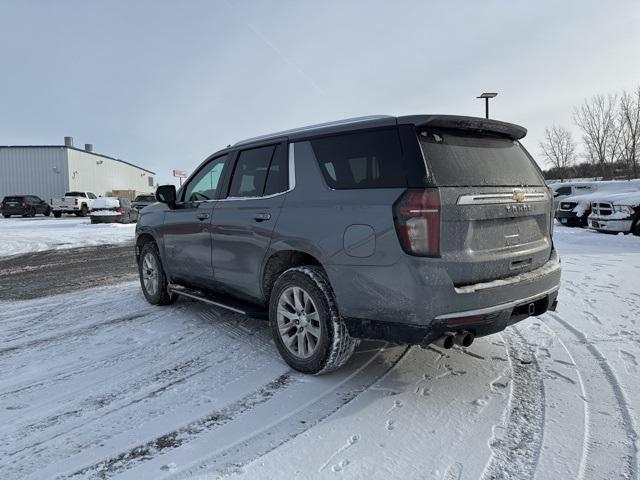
(456,122)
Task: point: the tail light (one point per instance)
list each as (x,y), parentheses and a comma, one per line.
(120,210)
(417,220)
(24,205)
(75,201)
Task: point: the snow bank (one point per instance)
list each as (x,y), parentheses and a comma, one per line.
(26,235)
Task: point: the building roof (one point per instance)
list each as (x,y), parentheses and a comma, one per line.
(79,150)
(457,122)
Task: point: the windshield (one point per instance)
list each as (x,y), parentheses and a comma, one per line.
(459,159)
(145,198)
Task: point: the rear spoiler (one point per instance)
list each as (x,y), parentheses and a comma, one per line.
(457,122)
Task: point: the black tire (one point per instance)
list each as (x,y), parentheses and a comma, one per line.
(335,346)
(635,228)
(162,295)
(6,215)
(47,212)
(83,211)
(57,214)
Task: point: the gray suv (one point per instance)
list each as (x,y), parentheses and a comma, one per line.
(415,230)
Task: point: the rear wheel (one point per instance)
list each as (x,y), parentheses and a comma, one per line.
(305,323)
(152,278)
(57,214)
(5,215)
(83,211)
(635,229)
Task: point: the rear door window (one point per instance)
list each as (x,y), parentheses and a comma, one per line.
(250,173)
(371,159)
(460,159)
(278,176)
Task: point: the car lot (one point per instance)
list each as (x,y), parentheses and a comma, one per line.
(99,384)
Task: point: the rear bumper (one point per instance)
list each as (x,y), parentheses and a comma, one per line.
(420,297)
(107,219)
(14,211)
(73,209)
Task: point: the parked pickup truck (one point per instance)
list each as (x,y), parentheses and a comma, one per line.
(79,203)
(616,213)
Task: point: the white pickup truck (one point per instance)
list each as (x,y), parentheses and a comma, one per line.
(79,203)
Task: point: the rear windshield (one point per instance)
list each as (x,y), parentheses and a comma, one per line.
(13,199)
(75,194)
(464,160)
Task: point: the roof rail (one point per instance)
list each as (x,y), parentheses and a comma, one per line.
(336,123)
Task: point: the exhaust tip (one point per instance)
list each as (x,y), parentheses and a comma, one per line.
(464,339)
(446,341)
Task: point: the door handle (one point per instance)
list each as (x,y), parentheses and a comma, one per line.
(202,216)
(261,217)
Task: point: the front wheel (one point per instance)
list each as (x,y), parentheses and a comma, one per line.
(57,214)
(6,215)
(152,278)
(47,212)
(305,323)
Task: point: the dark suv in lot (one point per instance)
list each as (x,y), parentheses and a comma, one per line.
(25,205)
(414,230)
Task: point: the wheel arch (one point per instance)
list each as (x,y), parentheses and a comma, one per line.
(142,240)
(279,262)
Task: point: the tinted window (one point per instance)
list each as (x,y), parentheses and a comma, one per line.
(75,194)
(278,176)
(205,184)
(461,159)
(91,195)
(361,160)
(250,173)
(12,199)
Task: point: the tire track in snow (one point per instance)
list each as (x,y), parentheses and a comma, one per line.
(257,443)
(626,422)
(516,443)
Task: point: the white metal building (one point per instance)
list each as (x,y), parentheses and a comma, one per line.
(51,170)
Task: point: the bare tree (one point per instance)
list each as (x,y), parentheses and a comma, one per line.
(596,117)
(559,148)
(629,119)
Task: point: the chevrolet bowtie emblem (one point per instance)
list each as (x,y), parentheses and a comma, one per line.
(518,195)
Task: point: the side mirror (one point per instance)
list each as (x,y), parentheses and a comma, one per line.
(166,194)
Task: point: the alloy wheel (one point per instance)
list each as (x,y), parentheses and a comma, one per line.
(150,274)
(298,322)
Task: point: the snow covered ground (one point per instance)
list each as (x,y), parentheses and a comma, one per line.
(25,235)
(99,384)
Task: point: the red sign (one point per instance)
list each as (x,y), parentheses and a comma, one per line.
(180,173)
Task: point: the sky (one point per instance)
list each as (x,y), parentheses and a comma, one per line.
(164,84)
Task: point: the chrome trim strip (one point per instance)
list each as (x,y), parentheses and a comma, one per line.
(497,308)
(292,181)
(492,198)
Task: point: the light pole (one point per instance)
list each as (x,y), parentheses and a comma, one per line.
(487,96)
